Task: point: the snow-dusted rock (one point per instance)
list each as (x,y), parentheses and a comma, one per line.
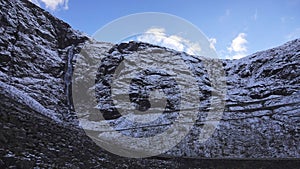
(261,115)
(38,53)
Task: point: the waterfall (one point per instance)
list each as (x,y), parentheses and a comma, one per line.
(68,77)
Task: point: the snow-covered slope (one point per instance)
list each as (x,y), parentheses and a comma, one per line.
(34,49)
(37,60)
(261,114)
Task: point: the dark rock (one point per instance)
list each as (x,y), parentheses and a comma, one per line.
(2,165)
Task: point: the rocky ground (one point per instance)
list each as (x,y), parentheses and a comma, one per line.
(40,129)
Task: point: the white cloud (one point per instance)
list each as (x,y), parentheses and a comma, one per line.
(52,4)
(238,55)
(212,42)
(158,36)
(160,31)
(35,2)
(238,47)
(238,44)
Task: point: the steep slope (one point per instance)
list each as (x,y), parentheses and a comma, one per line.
(38,126)
(36,122)
(35,48)
(35,114)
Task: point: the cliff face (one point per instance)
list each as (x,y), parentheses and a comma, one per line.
(261,115)
(35,48)
(38,126)
(35,53)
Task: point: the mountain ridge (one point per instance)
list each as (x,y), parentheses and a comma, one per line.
(39,128)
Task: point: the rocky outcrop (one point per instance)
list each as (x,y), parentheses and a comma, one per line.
(35,49)
(38,125)
(260,119)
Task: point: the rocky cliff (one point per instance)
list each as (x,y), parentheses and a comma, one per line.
(39,126)
(261,113)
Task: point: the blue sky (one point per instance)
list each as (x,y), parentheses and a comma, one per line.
(236,28)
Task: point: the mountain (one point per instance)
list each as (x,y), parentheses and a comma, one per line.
(40,128)
(260,118)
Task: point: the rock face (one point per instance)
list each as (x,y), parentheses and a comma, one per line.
(260,119)
(38,125)
(35,48)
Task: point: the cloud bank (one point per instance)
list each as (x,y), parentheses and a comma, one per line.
(159,37)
